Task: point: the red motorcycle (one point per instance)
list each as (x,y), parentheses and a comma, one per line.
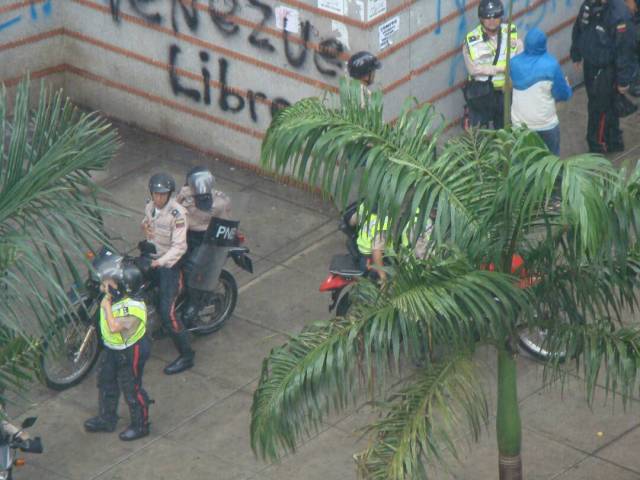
(346,269)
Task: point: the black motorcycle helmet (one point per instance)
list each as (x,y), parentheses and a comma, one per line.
(130,279)
(201,181)
(162,183)
(362,64)
(490,9)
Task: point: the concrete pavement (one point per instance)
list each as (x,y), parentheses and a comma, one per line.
(200,422)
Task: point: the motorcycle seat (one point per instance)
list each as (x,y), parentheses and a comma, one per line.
(345,265)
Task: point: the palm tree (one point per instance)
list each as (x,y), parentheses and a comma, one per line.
(495,195)
(49,215)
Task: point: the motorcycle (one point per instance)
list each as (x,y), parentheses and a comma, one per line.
(67,359)
(346,269)
(9,446)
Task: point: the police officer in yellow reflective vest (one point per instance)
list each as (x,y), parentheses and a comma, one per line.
(123,325)
(372,241)
(484,62)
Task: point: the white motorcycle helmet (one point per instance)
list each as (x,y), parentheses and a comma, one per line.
(201,181)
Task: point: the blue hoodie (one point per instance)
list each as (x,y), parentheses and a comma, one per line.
(538,82)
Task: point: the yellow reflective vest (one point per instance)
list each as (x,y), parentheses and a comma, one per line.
(124,308)
(482,52)
(370,229)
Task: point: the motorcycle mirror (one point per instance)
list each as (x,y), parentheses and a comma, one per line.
(28,422)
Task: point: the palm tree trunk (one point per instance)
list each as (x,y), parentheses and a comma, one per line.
(508,426)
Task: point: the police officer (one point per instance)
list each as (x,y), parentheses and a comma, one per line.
(202,202)
(165,226)
(373,245)
(123,322)
(362,66)
(634,10)
(479,52)
(603,43)
(371,241)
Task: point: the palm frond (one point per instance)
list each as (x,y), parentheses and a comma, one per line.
(19,359)
(423,420)
(607,355)
(441,301)
(49,211)
(451,299)
(347,148)
(299,383)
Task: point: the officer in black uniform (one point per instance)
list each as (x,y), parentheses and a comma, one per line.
(604,43)
(634,8)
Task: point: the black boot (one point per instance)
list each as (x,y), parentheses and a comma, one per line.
(139,426)
(107,419)
(185,360)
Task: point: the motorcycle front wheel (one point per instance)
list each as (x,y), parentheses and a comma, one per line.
(218,306)
(68,359)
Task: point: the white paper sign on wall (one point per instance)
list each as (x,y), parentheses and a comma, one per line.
(376,8)
(386,31)
(333,6)
(291,15)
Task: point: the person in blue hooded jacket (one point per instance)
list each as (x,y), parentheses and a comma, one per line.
(538,83)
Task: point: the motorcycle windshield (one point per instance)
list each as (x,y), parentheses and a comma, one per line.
(6,457)
(106,265)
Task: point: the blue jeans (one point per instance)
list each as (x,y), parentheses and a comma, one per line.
(551,138)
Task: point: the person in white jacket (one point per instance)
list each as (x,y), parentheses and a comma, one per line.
(538,82)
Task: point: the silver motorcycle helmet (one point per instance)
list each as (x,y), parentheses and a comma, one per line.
(107,264)
(201,181)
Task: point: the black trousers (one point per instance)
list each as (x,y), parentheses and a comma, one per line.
(121,371)
(490,118)
(603,128)
(170,283)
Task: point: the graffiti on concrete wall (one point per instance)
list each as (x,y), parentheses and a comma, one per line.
(45,10)
(188,16)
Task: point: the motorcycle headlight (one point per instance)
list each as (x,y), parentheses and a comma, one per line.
(4,474)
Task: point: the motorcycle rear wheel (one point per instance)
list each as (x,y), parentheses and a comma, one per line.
(533,340)
(61,362)
(343,305)
(218,306)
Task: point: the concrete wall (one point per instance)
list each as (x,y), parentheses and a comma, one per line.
(31,40)
(209,72)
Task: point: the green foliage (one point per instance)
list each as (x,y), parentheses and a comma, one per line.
(422,420)
(49,215)
(497,193)
(324,368)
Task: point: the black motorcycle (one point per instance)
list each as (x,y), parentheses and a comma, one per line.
(68,357)
(9,446)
